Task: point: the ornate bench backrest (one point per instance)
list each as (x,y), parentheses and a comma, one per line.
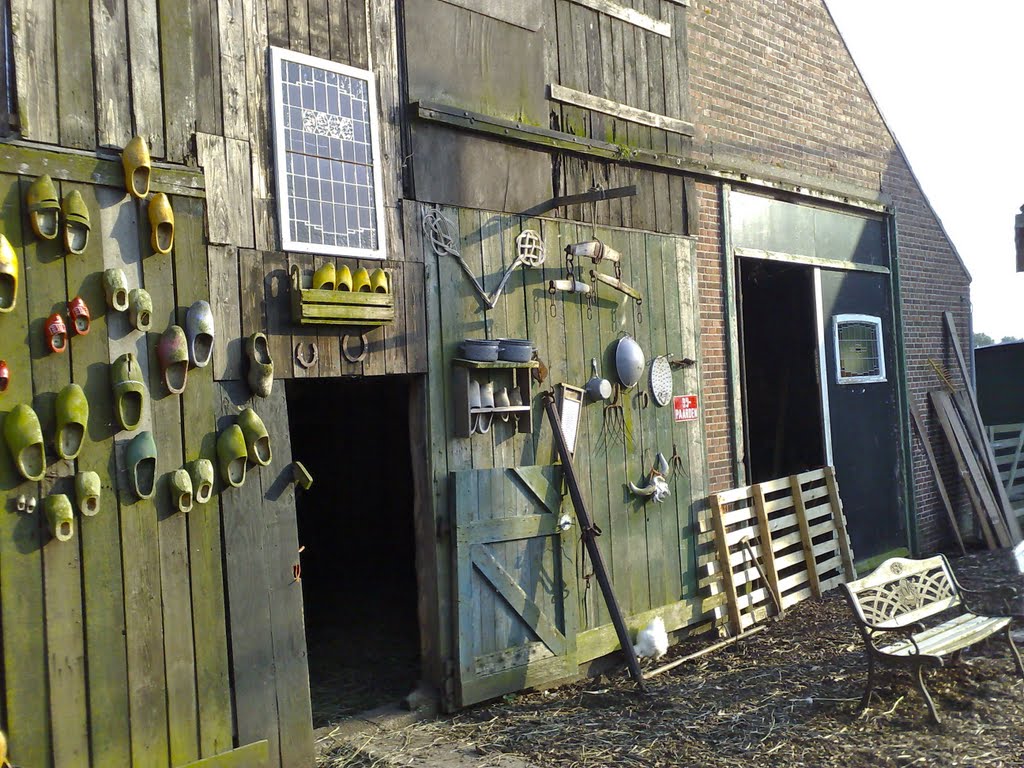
(902,591)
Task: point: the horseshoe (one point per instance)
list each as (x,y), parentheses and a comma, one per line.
(363,348)
(314,355)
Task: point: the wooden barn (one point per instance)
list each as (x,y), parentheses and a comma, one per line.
(255,478)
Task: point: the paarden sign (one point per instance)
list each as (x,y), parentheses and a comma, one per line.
(684,407)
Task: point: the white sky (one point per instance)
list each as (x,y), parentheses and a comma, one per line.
(949,78)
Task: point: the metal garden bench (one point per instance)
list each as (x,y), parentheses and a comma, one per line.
(892,604)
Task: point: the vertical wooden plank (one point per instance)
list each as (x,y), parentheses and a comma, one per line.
(298,25)
(35,68)
(839,520)
(303,335)
(281,549)
(119,231)
(805,535)
(358,34)
(725,567)
(764,537)
(222,263)
(110,41)
(213,686)
(516,323)
(396,334)
(574,119)
(212,158)
(260,137)
(178,80)
(102,591)
(45,291)
(76,103)
(278,313)
(176,598)
(245,564)
(338,22)
(319,28)
(206,66)
(145,75)
(21,538)
(238,172)
(234,89)
(277,23)
(415,310)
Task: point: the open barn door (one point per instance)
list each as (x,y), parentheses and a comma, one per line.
(516,585)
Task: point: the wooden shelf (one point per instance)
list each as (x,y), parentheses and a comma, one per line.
(505,373)
(496,365)
(317,307)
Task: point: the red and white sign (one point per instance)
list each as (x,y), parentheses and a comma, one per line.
(684,407)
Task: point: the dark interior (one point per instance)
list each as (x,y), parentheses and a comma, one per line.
(782,393)
(356,524)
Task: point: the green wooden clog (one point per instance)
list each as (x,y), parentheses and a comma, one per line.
(115,286)
(231,455)
(129,391)
(201,471)
(199,330)
(25,441)
(140,309)
(44,208)
(137,167)
(72,419)
(87,492)
(161,222)
(261,367)
(60,516)
(257,440)
(8,275)
(76,222)
(140,457)
(181,490)
(172,350)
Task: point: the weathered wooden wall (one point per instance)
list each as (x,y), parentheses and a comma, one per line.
(134,604)
(650,548)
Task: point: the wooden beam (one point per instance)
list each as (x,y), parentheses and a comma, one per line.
(923,434)
(256,753)
(814,261)
(805,535)
(628,15)
(565,95)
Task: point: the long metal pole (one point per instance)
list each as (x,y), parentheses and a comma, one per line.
(589,534)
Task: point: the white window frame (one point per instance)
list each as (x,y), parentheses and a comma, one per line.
(277,55)
(870,320)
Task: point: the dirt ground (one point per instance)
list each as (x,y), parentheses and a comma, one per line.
(787,696)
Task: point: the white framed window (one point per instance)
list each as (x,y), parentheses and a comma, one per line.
(326,157)
(859,352)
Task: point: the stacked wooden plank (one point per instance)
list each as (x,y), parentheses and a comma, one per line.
(960,420)
(779,542)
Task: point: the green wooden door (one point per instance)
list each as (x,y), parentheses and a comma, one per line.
(515,580)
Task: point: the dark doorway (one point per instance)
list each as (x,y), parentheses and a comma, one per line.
(356,524)
(782,394)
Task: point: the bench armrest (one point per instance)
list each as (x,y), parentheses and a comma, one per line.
(980,601)
(905,632)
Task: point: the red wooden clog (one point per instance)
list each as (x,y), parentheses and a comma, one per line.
(56,333)
(5,375)
(78,312)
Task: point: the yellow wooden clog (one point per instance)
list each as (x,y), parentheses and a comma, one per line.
(161,222)
(324,279)
(361,280)
(137,167)
(379,281)
(8,275)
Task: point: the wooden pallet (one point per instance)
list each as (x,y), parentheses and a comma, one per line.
(795,528)
(1007,441)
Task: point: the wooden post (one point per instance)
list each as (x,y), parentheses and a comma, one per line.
(805,535)
(723,561)
(765,537)
(839,520)
(923,434)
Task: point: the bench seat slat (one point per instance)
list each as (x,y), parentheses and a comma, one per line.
(953,635)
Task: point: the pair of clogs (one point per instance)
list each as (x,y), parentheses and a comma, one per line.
(129,390)
(191,484)
(138,169)
(331,278)
(179,346)
(56,329)
(44,214)
(24,435)
(245,440)
(136,301)
(261,366)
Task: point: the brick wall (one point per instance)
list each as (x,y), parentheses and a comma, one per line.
(772,84)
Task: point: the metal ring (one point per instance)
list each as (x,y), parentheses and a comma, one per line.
(363,348)
(314,355)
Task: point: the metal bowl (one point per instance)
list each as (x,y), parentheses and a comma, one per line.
(481,350)
(629,361)
(515,350)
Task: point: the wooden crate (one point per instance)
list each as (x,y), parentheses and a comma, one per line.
(316,307)
(795,528)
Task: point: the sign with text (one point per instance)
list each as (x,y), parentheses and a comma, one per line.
(684,407)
